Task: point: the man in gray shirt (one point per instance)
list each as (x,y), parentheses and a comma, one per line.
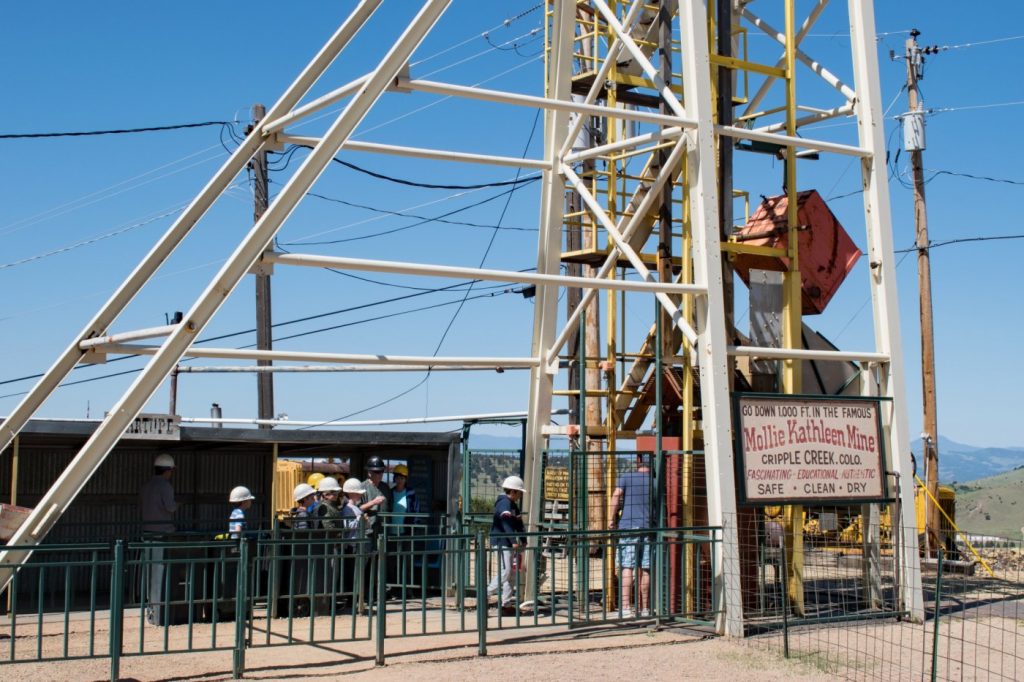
(157,498)
(158,507)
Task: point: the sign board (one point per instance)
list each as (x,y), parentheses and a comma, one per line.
(154,427)
(808,449)
(556,483)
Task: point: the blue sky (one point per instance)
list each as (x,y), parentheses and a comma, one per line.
(79,67)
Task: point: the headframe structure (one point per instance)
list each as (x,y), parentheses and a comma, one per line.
(609,63)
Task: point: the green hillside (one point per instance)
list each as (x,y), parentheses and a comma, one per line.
(993,505)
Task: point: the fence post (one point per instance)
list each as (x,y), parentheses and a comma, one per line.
(382,589)
(938,613)
(481,594)
(117,611)
(785,600)
(241,609)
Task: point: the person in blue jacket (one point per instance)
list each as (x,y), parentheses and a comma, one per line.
(507,537)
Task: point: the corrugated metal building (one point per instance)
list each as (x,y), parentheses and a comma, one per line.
(210,462)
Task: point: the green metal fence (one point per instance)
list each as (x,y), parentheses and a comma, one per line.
(304,587)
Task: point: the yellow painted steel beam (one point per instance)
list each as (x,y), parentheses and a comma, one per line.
(743,64)
(753,250)
(791,312)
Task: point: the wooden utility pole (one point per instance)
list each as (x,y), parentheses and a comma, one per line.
(914,140)
(261,196)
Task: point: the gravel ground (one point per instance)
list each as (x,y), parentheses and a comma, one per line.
(602,653)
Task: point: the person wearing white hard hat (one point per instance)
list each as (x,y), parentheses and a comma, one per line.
(301,520)
(305,498)
(507,537)
(353,520)
(241,497)
(329,510)
(156,499)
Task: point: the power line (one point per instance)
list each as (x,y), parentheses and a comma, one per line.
(91,240)
(976,43)
(298,320)
(402,214)
(972,107)
(504,24)
(428,185)
(416,224)
(458,310)
(115,131)
(963,240)
(973,177)
(110,191)
(283,338)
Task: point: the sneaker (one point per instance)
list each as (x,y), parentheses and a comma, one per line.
(627,613)
(646,613)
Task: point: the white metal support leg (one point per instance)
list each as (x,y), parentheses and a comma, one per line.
(181,227)
(545,316)
(95,450)
(711,348)
(870,126)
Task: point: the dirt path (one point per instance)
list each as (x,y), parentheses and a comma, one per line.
(599,654)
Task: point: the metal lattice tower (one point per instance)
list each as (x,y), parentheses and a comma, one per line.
(646,74)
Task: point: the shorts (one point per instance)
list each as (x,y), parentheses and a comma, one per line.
(629,547)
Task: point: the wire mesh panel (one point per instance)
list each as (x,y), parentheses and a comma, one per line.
(483,472)
(854,623)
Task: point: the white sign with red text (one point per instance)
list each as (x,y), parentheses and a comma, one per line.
(810,450)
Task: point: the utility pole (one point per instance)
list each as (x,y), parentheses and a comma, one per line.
(914,142)
(261,196)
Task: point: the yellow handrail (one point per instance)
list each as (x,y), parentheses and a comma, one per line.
(953,524)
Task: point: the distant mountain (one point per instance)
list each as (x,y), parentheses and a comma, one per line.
(992,506)
(957,461)
(961,462)
(484,441)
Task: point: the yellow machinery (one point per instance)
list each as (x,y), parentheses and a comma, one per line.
(850,533)
(947,502)
(287,475)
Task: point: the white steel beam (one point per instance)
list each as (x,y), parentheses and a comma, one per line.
(182,226)
(276,125)
(628,143)
(422,153)
(630,45)
(631,226)
(137,335)
(312,356)
(766,86)
(812,64)
(405,268)
(805,354)
(547,103)
(817,117)
(789,140)
(95,450)
(710,319)
(600,79)
(285,369)
(549,242)
(882,277)
(627,251)
(361,422)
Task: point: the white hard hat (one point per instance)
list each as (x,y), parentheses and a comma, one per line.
(513,483)
(240,494)
(164,460)
(329,484)
(303,490)
(354,485)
